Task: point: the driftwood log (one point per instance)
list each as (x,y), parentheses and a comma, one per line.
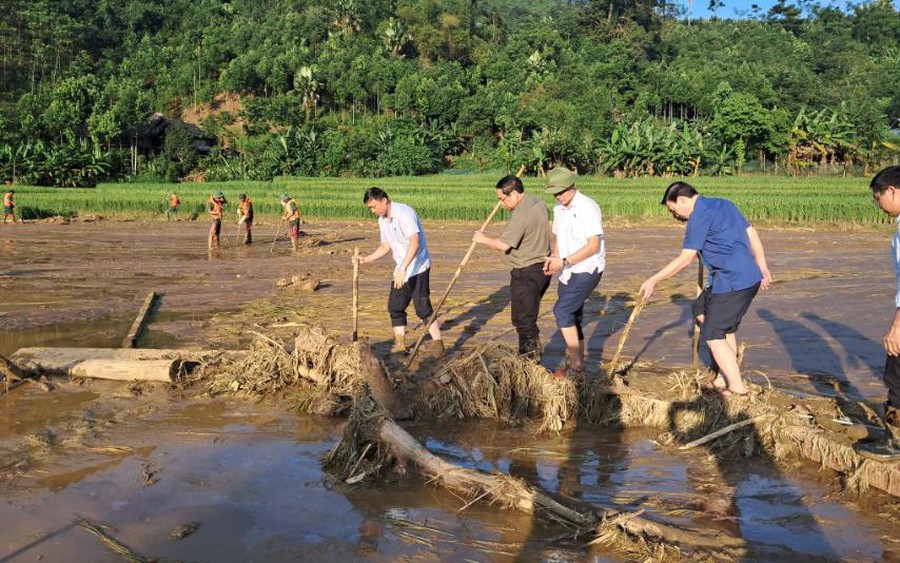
(511,492)
(137,326)
(110,363)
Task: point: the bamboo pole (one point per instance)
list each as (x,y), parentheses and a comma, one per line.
(720,432)
(355,294)
(625,332)
(277,231)
(456,275)
(695,361)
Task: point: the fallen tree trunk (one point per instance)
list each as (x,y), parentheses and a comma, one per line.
(61,360)
(515,493)
(127,370)
(508,490)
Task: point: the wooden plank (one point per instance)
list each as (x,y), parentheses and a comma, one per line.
(138,325)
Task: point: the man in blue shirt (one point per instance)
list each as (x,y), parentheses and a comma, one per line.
(886,193)
(731,249)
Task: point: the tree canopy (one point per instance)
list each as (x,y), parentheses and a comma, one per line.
(417,86)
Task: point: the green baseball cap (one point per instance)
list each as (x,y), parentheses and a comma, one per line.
(285,197)
(219,195)
(559,180)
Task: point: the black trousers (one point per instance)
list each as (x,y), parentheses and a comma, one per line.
(526,287)
(892,382)
(416,289)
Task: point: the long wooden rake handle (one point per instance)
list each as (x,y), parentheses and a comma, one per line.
(695,356)
(625,331)
(277,231)
(456,275)
(355,294)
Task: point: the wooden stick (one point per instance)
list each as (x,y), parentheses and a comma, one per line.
(695,361)
(634,313)
(720,432)
(138,325)
(355,305)
(456,275)
(465,260)
(278,230)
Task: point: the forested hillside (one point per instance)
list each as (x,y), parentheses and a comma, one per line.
(252,89)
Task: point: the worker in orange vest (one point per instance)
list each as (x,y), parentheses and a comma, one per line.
(8,206)
(174,202)
(245,217)
(215,206)
(291,214)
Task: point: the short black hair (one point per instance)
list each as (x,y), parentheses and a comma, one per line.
(509,184)
(374,193)
(678,189)
(886,178)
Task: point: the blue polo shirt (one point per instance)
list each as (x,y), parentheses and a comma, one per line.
(718,231)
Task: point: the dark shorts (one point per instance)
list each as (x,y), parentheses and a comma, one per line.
(173,210)
(416,289)
(724,312)
(215,227)
(294,228)
(569,308)
(8,209)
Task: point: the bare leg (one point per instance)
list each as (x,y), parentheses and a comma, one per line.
(574,347)
(726,358)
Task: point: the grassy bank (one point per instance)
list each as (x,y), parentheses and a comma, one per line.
(466,197)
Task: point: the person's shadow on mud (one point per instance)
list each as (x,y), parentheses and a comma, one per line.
(477,317)
(811,355)
(860,351)
(737,502)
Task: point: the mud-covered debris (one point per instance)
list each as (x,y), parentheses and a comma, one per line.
(184,530)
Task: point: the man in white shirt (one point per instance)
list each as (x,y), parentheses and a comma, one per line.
(886,193)
(579,256)
(402,235)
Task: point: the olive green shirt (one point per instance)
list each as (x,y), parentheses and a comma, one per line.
(527,233)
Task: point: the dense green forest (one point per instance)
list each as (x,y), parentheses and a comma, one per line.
(95,90)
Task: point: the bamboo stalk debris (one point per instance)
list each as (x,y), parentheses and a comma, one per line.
(625,332)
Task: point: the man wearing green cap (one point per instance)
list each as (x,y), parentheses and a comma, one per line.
(215,206)
(291,214)
(525,243)
(579,256)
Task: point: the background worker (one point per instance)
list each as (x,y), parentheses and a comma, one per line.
(402,235)
(245,217)
(291,214)
(732,250)
(579,256)
(216,208)
(525,243)
(9,206)
(886,193)
(174,202)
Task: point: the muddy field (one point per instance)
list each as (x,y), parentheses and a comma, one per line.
(146,461)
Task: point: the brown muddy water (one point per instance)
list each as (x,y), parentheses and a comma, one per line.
(251,477)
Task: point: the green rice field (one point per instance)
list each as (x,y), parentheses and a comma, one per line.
(763,199)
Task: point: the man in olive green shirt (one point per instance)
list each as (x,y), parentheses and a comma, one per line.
(525,243)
